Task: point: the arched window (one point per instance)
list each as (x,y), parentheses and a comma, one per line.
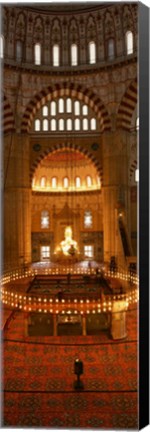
(69,124)
(78,182)
(45,110)
(45,125)
(111,49)
(53,108)
(92,52)
(56,55)
(54,182)
(137,123)
(88,251)
(69,105)
(85,124)
(61,105)
(37,54)
(19,51)
(77,108)
(61,124)
(129,42)
(53,124)
(88,220)
(37,125)
(44,219)
(98,181)
(77,124)
(45,253)
(43,182)
(66,182)
(88,181)
(85,110)
(1,46)
(137,175)
(93,123)
(74,55)
(33,181)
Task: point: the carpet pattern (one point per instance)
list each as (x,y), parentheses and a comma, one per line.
(38,380)
(71,410)
(51,368)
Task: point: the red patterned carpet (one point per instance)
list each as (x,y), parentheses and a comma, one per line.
(38,380)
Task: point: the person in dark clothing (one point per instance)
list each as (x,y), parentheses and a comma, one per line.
(60,295)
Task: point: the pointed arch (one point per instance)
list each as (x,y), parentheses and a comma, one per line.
(63,146)
(127,106)
(132,168)
(91,28)
(38,30)
(70,90)
(73,30)
(8,123)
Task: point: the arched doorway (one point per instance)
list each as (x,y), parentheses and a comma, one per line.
(66,192)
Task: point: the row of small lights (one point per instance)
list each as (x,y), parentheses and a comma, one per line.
(79,271)
(11,299)
(28,303)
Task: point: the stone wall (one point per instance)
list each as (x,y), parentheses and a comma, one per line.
(109,88)
(29,26)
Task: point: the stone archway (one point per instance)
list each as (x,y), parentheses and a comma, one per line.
(127,107)
(70,90)
(8,117)
(63,146)
(66,208)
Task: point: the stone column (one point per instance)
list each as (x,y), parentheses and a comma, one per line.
(118,320)
(54,324)
(115,191)
(26,318)
(84,325)
(17,202)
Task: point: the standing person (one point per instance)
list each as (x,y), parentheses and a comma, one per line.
(89,265)
(60,295)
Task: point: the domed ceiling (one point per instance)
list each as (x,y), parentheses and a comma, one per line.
(69,7)
(66,163)
(65,156)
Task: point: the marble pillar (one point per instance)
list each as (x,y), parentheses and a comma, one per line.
(115,192)
(16,202)
(118,320)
